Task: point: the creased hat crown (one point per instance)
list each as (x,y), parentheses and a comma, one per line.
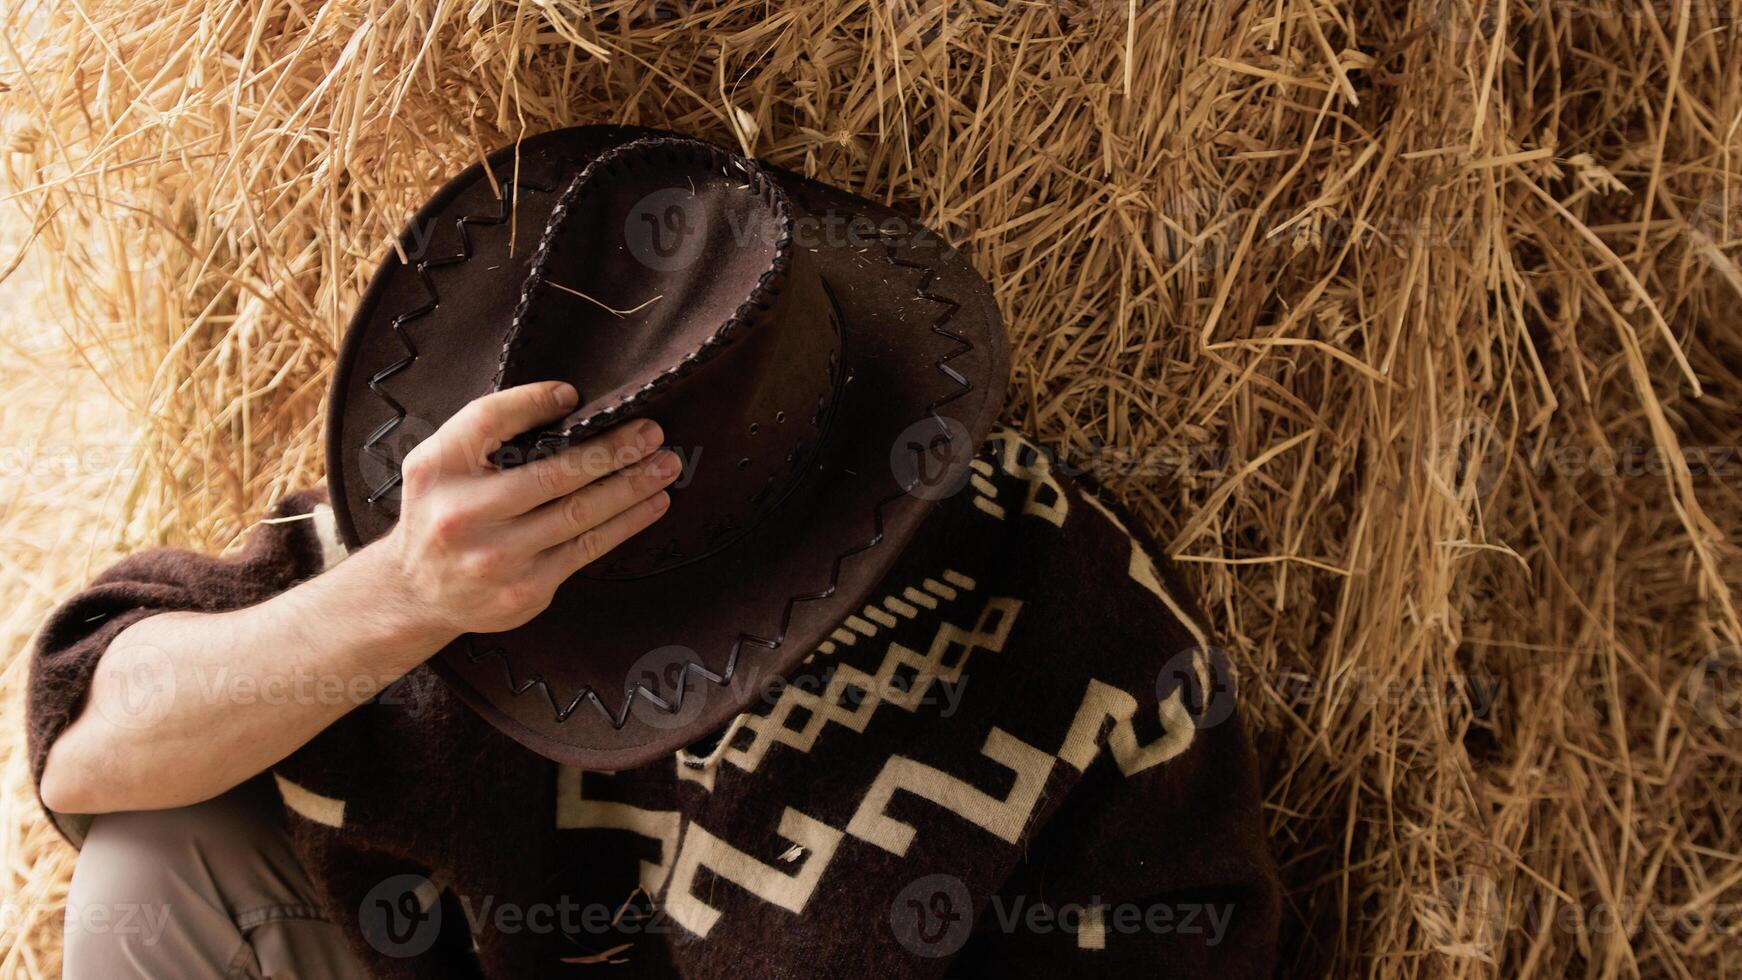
(667,284)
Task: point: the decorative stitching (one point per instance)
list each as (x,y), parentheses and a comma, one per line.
(517,688)
(564,712)
(762,295)
(510,192)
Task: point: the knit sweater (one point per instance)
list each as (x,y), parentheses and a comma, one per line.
(1019,758)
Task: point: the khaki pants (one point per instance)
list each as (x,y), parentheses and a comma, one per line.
(210,890)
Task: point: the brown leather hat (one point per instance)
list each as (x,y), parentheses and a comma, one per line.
(824,366)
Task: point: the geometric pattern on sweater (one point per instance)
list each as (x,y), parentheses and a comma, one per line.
(904,679)
(1103,703)
(813,843)
(829,855)
(1043,497)
(873,615)
(575,812)
(813,847)
(1003,818)
(851,697)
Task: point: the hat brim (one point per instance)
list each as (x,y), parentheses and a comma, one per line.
(617,673)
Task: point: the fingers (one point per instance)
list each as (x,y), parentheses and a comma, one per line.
(489,546)
(556,564)
(523,488)
(574,514)
(485,423)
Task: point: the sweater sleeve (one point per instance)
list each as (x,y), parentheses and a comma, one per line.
(294,542)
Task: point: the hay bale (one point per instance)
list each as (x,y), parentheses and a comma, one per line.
(1411,328)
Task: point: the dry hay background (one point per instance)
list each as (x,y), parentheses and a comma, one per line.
(1393,319)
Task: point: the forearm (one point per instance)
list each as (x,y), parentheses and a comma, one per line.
(184,706)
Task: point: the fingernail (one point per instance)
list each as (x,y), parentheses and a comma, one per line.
(661,502)
(651,434)
(566,395)
(665,464)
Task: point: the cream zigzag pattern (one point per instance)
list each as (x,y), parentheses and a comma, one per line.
(904,679)
(1044,497)
(816,842)
(1104,702)
(912,602)
(575,812)
(1003,818)
(1103,718)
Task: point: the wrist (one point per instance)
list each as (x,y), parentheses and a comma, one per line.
(388,605)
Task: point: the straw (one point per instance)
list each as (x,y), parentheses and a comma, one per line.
(1410,329)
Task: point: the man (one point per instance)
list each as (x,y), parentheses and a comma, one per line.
(830,712)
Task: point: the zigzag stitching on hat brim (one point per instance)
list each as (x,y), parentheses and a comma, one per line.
(510,192)
(562,712)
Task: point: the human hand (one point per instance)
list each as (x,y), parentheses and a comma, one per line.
(482,550)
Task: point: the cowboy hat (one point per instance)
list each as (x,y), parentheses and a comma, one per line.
(824,366)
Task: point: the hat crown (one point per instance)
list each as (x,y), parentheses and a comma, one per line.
(667,284)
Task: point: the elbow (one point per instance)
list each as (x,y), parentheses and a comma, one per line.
(67,787)
(59,792)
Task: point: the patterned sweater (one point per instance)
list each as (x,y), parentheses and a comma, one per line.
(1020,758)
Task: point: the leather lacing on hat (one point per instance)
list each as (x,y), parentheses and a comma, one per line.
(615,163)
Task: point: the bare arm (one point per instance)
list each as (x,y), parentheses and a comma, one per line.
(184,706)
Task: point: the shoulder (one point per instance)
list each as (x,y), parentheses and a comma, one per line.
(311,528)
(1049,509)
(292,540)
(1097,615)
